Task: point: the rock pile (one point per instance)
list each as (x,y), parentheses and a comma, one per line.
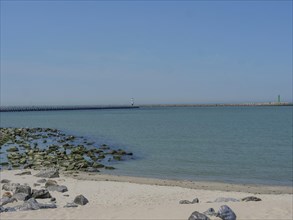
(38,148)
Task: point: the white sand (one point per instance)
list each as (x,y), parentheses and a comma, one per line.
(124,200)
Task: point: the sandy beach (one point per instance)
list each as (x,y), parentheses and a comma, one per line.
(116,197)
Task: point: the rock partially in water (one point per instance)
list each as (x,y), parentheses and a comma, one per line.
(251,198)
(226,199)
(49,173)
(92,170)
(198,216)
(70,205)
(12,149)
(80,200)
(226,213)
(41,194)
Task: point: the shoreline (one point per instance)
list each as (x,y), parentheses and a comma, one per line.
(141,198)
(188,184)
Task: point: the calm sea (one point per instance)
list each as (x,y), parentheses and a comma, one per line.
(226,144)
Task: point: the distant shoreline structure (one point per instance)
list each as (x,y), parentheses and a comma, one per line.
(97,107)
(222,104)
(62,108)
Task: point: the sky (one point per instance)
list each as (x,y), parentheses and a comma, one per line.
(164,52)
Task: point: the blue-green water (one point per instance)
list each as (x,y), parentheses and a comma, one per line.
(227,144)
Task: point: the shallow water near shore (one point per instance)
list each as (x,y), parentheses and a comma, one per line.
(226,144)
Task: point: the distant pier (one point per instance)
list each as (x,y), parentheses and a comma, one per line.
(60,108)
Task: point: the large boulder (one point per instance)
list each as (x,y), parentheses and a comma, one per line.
(226,213)
(32,204)
(80,200)
(198,216)
(23,189)
(41,194)
(49,173)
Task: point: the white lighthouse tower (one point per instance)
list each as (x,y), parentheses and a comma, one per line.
(132,101)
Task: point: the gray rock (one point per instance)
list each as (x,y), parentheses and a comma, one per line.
(41,194)
(70,205)
(6,200)
(196,200)
(2,209)
(49,173)
(24,173)
(92,170)
(58,188)
(50,183)
(8,209)
(41,181)
(80,200)
(226,199)
(251,198)
(184,202)
(23,189)
(53,199)
(30,204)
(226,213)
(28,166)
(198,216)
(5,181)
(36,184)
(47,206)
(10,186)
(210,212)
(21,196)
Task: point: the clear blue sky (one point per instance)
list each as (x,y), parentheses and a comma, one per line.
(156,52)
